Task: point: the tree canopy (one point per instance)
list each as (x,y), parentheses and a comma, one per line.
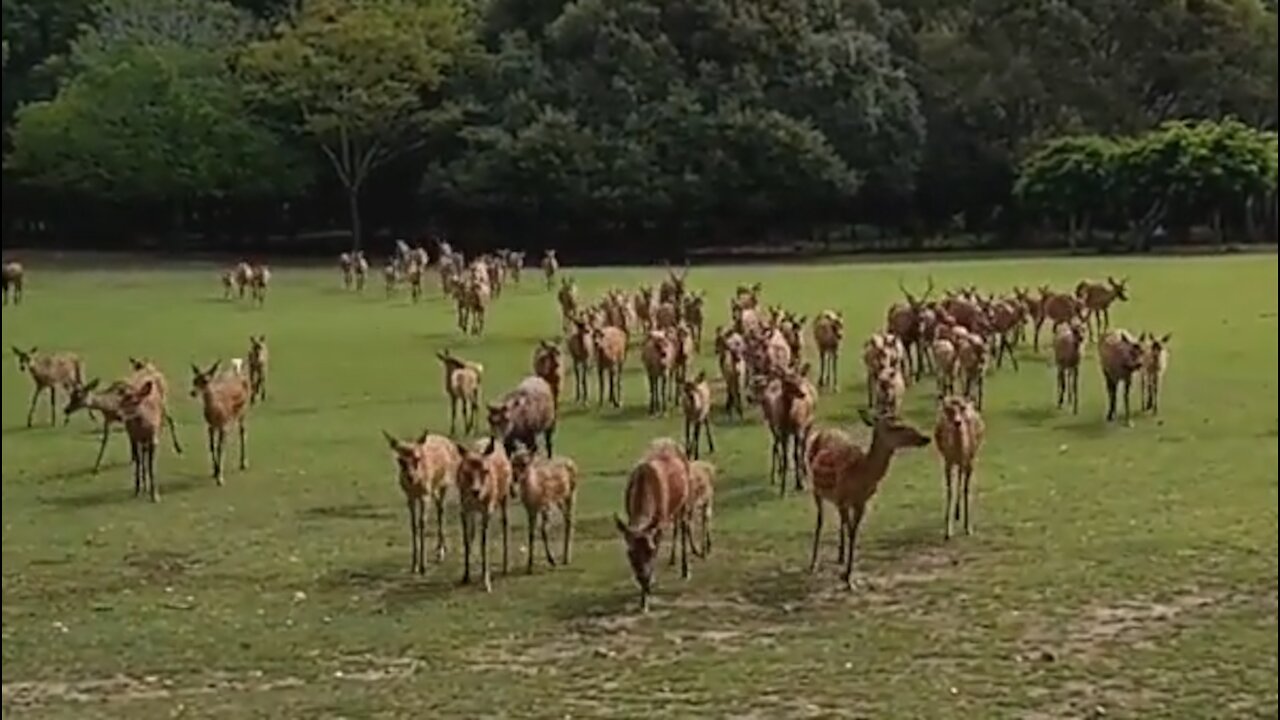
(691,121)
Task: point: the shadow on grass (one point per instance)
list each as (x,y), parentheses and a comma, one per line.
(390,580)
(120,492)
(781,588)
(619,599)
(87,471)
(1090,426)
(349,511)
(900,542)
(1034,414)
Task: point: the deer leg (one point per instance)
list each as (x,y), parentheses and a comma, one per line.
(31,411)
(685,541)
(218,436)
(453,415)
(438,500)
(1062,385)
(968,475)
(797,448)
(244,434)
(532,516)
(711,443)
(675,535)
(506,534)
(102,446)
(467,531)
(546,542)
(1075,391)
(1111,399)
(151,470)
(817,534)
(411,503)
(946,512)
(855,521)
(484,552)
(600,386)
(706,531)
(137,467)
(1127,385)
(173,433)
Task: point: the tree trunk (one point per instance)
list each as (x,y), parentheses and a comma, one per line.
(1217,225)
(1071,232)
(1086,223)
(353,204)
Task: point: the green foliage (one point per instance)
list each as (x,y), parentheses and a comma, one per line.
(153,113)
(621,108)
(357,75)
(1191,170)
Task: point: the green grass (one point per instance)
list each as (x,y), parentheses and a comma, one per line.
(1129,569)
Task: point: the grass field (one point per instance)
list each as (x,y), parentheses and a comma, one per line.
(1130,572)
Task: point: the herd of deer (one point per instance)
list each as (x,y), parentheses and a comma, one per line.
(760,359)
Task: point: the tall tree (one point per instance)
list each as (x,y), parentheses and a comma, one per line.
(358,77)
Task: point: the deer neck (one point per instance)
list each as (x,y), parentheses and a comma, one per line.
(879,456)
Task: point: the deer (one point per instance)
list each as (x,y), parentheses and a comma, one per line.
(1059,308)
(655,498)
(847,477)
(462,385)
(547,365)
(428,467)
(581,345)
(259,280)
(484,485)
(697,415)
(828,333)
(12,275)
(658,355)
(611,352)
(259,359)
(1097,298)
(1120,355)
(1155,360)
(49,372)
(1068,343)
(544,485)
(903,321)
(550,265)
(225,397)
(958,436)
(142,411)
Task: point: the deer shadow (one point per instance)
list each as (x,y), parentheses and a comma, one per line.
(120,494)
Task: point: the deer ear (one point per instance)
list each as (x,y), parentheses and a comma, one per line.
(426,433)
(1164,340)
(622,527)
(15,350)
(145,390)
(91,384)
(194,368)
(462,449)
(391,440)
(866,417)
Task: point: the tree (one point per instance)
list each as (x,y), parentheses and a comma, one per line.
(153,114)
(358,76)
(1071,178)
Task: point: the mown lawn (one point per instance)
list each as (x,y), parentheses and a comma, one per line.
(1130,572)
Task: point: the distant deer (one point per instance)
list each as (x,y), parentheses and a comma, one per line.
(1097,298)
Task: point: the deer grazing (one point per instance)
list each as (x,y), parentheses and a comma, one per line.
(1155,360)
(847,477)
(12,276)
(958,435)
(428,467)
(110,402)
(655,498)
(225,397)
(484,484)
(1068,345)
(1097,298)
(543,486)
(49,372)
(462,385)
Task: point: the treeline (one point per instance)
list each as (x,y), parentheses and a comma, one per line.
(629,127)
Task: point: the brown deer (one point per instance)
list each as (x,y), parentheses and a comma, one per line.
(550,266)
(225,397)
(958,435)
(12,276)
(49,372)
(1068,343)
(544,485)
(462,385)
(1059,308)
(697,415)
(142,410)
(581,346)
(1097,298)
(828,333)
(1120,355)
(847,477)
(1155,360)
(903,321)
(427,468)
(655,498)
(484,484)
(259,359)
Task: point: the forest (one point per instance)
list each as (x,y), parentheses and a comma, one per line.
(625,128)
